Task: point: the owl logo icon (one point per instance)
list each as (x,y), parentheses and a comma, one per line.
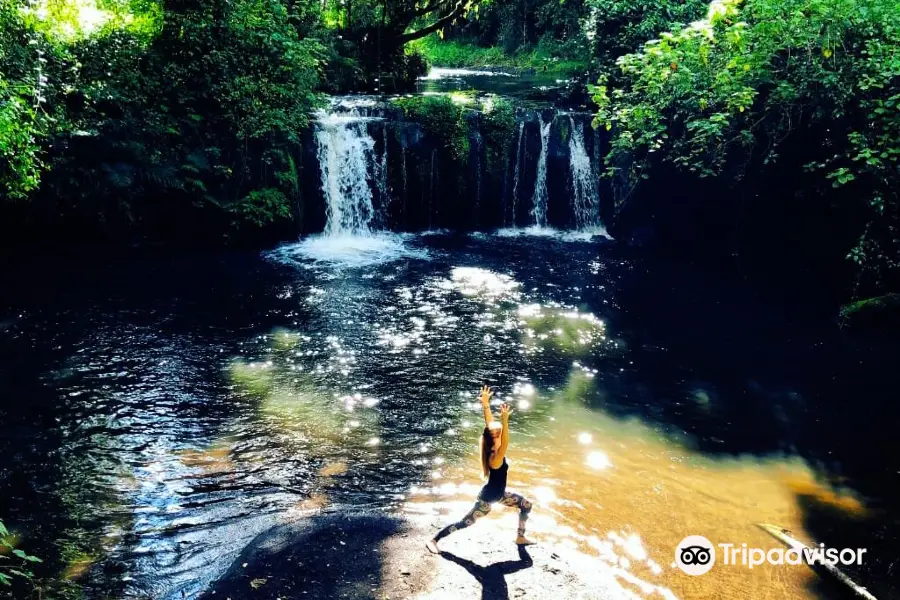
(695,555)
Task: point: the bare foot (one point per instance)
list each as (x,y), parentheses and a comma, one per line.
(432,546)
(523,541)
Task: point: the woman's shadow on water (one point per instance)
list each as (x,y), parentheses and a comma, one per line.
(492,577)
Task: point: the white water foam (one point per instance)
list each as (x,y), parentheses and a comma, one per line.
(584,235)
(432,232)
(539,199)
(350,168)
(585,193)
(347,163)
(350,251)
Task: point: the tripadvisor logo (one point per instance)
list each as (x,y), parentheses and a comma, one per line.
(696,555)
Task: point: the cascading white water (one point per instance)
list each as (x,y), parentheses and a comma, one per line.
(431,190)
(354,183)
(347,163)
(585,195)
(539,200)
(403,177)
(515,190)
(478,143)
(382,179)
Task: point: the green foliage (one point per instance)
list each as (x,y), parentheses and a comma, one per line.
(368,39)
(727,93)
(20,161)
(879,303)
(261,207)
(16,566)
(619,27)
(21,121)
(234,96)
(528,33)
(105,109)
(442,118)
(462,54)
(880,313)
(268,72)
(48,57)
(66,22)
(498,127)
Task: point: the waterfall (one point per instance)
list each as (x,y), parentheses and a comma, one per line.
(540,185)
(585,197)
(382,180)
(347,161)
(477,151)
(515,191)
(431,190)
(403,177)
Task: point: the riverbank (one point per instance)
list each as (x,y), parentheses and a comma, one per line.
(357,555)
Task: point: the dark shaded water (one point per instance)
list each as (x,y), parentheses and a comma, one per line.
(160,411)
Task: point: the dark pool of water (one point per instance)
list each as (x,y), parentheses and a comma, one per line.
(159,411)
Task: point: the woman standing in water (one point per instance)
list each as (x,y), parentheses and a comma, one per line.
(494,442)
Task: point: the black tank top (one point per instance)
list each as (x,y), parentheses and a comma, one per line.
(495,487)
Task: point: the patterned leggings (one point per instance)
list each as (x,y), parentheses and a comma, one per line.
(482,508)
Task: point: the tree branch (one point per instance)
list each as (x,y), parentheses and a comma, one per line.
(429,8)
(457,12)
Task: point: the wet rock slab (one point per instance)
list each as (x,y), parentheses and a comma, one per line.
(372,555)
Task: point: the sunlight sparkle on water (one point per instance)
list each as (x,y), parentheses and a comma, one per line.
(544,495)
(598,460)
(585,438)
(524,389)
(472,281)
(436,73)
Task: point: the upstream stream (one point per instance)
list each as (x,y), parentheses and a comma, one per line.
(161,410)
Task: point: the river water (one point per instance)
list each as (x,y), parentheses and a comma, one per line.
(159,411)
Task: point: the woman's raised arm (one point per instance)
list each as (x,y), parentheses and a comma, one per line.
(486,395)
(505,411)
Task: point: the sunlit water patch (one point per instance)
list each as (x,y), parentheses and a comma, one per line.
(448,73)
(622,494)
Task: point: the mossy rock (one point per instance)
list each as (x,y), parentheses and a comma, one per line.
(880,312)
(254,380)
(441,118)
